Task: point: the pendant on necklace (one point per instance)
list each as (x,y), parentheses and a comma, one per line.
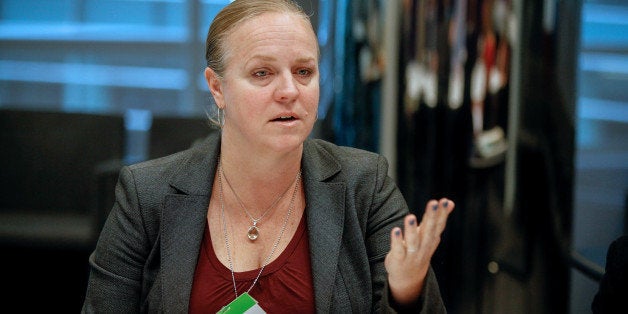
(253,232)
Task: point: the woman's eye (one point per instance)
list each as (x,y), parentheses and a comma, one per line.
(304,72)
(261,73)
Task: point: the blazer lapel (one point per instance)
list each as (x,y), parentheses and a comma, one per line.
(183,222)
(182,231)
(325,220)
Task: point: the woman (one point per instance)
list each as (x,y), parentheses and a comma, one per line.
(258,209)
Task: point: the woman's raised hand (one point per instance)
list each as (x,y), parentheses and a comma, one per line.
(411,251)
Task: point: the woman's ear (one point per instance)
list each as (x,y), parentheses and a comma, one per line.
(215,87)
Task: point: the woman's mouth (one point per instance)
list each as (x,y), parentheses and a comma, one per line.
(284,118)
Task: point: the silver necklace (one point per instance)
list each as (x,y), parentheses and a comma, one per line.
(253,231)
(275,245)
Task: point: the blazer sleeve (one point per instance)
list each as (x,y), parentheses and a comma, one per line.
(388,210)
(116,263)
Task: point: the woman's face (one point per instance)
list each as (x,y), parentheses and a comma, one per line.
(270,87)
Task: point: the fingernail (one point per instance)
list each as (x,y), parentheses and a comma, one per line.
(412,222)
(445,204)
(435,206)
(397,232)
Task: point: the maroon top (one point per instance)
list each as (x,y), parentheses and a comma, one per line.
(284,286)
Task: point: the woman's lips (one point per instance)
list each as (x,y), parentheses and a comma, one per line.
(284,118)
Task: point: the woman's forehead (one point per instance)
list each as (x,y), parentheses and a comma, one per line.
(272,31)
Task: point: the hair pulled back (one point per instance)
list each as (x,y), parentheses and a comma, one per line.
(235,14)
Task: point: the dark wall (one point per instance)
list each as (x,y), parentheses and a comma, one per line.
(48,158)
(57,177)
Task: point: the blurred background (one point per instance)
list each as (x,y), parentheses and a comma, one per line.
(517,110)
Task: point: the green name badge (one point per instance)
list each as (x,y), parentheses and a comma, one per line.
(242,304)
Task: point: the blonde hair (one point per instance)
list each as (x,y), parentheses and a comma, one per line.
(235,14)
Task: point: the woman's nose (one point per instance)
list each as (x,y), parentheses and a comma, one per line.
(287,88)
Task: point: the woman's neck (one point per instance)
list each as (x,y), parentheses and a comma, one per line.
(259,177)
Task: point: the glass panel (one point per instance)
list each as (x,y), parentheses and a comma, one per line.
(104,56)
(601,158)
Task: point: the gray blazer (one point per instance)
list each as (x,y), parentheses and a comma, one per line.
(146,255)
